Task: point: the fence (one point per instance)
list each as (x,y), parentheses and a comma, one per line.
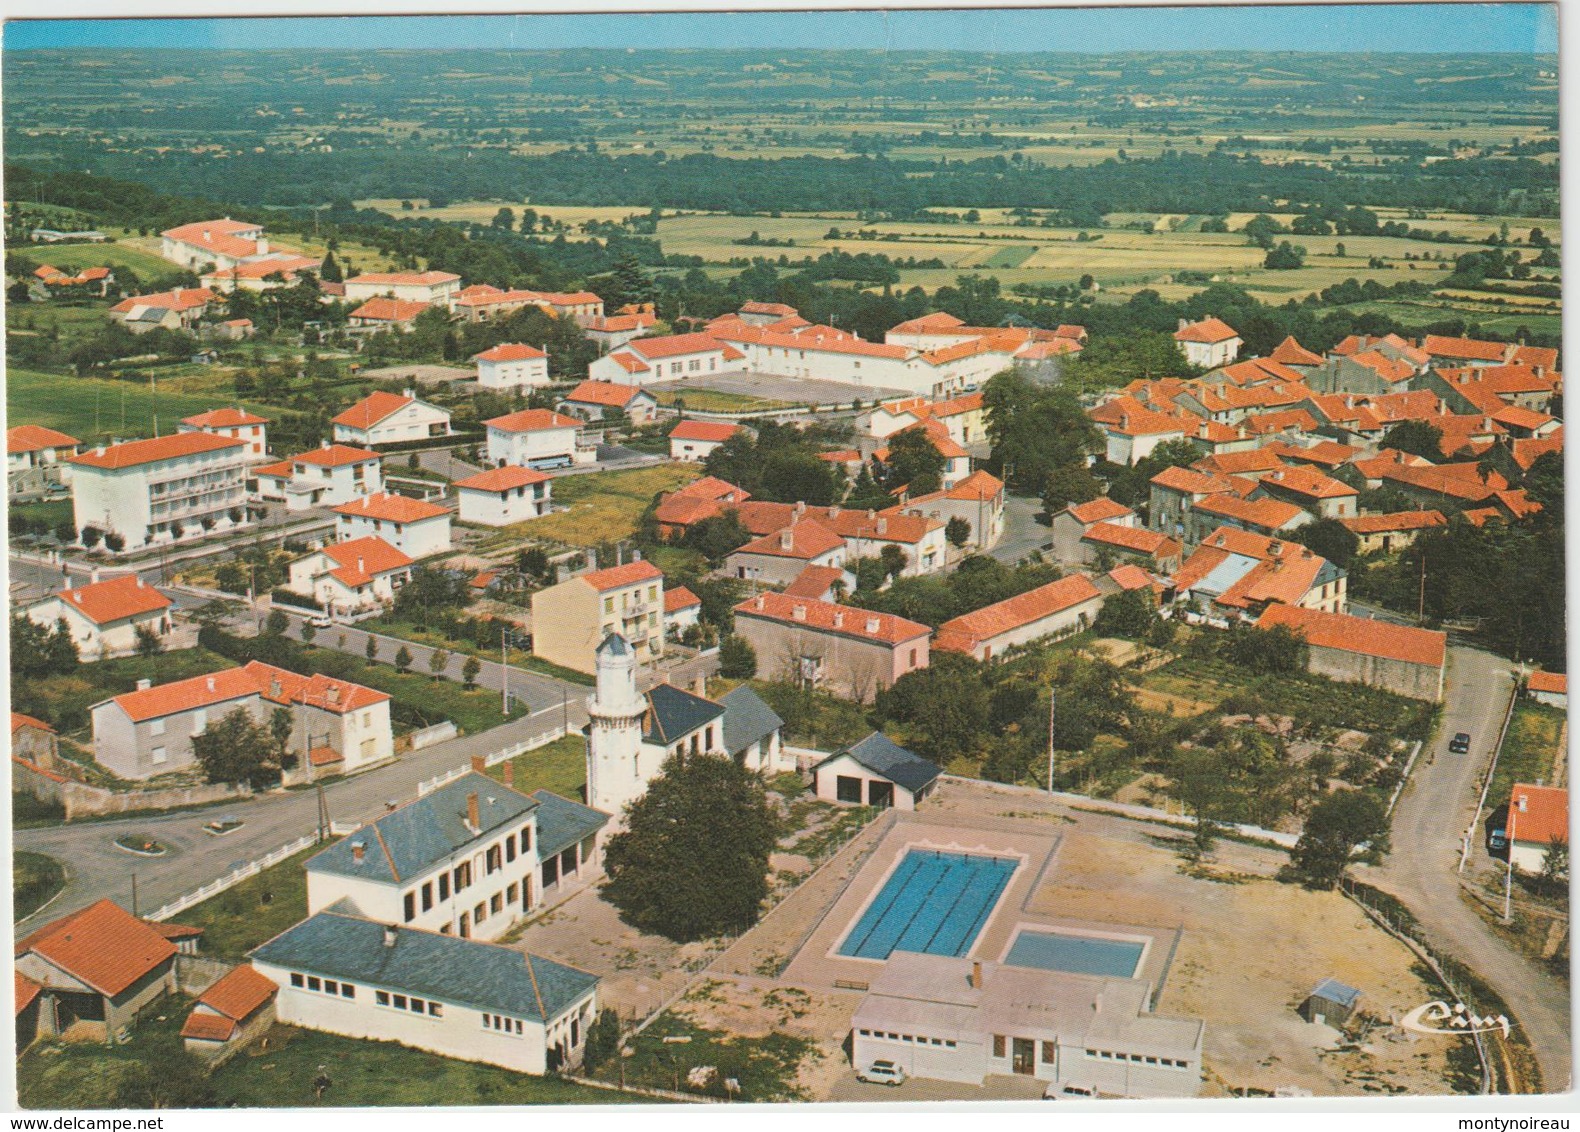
(232,878)
(1405,777)
(428,786)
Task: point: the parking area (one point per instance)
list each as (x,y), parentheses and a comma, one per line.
(795,390)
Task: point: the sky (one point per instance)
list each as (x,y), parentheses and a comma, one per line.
(1523,28)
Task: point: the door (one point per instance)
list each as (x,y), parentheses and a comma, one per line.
(1022,1060)
(880,794)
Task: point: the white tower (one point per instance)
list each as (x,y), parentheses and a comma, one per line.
(615,774)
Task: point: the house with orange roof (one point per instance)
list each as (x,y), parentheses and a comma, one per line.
(1273,518)
(778,559)
(888,417)
(512,365)
(351,577)
(1323,497)
(1360,650)
(978,499)
(1115,542)
(326,476)
(1291,353)
(682,611)
(1057,609)
(181,309)
(236,423)
(1486,389)
(1446,350)
(425,288)
(694,440)
(957,460)
(37,459)
(1235,573)
(670,357)
(821,583)
(1324,455)
(1449,488)
(762,314)
(415,527)
(1253,463)
(1131,430)
(596,400)
(850,652)
(33,740)
(500,497)
(1071,523)
(1538,817)
(698,500)
(161,489)
(1210,343)
(1395,530)
(834,355)
(537,439)
(1550,688)
(390,418)
(571,619)
(611,332)
(279,268)
(103,618)
(386,314)
(94,971)
(1175,490)
(214,243)
(230,1015)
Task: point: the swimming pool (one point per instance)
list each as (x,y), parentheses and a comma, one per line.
(1077,954)
(933,902)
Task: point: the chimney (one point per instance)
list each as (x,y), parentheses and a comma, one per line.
(361,565)
(510,773)
(871,514)
(786,538)
(472,817)
(210,683)
(699,685)
(358,851)
(412,393)
(833,512)
(883,526)
(274,688)
(1183,324)
(99,451)
(760,602)
(479,763)
(872,625)
(798,612)
(332,694)
(389,935)
(976,974)
(144,684)
(839,619)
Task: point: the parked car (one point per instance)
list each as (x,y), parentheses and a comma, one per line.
(320,621)
(1071,1089)
(1460,743)
(882,1073)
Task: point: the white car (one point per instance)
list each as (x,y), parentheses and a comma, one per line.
(882,1073)
(321,621)
(1056,1092)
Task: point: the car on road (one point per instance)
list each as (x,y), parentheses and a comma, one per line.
(1070,1089)
(882,1073)
(1460,743)
(321,621)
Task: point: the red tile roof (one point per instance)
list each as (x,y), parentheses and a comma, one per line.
(680,598)
(103,946)
(615,577)
(703,430)
(1341,631)
(1131,577)
(1327,453)
(135,453)
(405,278)
(182,299)
(781,309)
(606,393)
(935,323)
(394,508)
(239,994)
(187,695)
(36,438)
(326,693)
(1270,514)
(1554,682)
(1445,479)
(1475,349)
(1261,424)
(825,340)
(19,721)
(1395,521)
(501,479)
(1291,353)
(532,420)
(823,616)
(114,600)
(334,456)
(966,633)
(1301,479)
(224,418)
(372,409)
(673,345)
(389,310)
(1138,539)
(1207,330)
(203,1027)
(360,560)
(1192,482)
(26,990)
(814,581)
(218,236)
(1545,816)
(509,352)
(807,540)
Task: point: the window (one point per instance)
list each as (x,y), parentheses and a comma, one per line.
(411,906)
(496,903)
(444,886)
(400,1002)
(157,727)
(435,1010)
(381,997)
(427,896)
(510,849)
(297,980)
(526,840)
(463,875)
(157,755)
(347,991)
(331,986)
(314,983)
(1049,1053)
(494,860)
(998,1045)
(652,593)
(608,605)
(480,913)
(418,1006)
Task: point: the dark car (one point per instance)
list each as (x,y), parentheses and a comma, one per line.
(1460,743)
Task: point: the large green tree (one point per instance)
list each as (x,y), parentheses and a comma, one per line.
(914,462)
(692,861)
(1336,827)
(236,749)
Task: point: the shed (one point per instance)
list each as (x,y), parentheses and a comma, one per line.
(875,772)
(1332,1003)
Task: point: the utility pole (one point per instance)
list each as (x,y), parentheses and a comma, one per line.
(504,669)
(1420,612)
(1052,698)
(323,813)
(134,895)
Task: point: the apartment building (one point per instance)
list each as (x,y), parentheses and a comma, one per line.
(321,477)
(572,618)
(161,489)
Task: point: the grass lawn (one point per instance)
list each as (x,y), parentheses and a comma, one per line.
(602,506)
(87,1075)
(420,700)
(77,256)
(64,700)
(561,767)
(427,635)
(717,401)
(35,879)
(28,812)
(1530,749)
(92,408)
(368,1074)
(50,513)
(256,910)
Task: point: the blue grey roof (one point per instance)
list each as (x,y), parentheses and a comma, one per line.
(881,755)
(414,838)
(747,719)
(1335,991)
(465,972)
(1328,573)
(614,645)
(673,714)
(563,823)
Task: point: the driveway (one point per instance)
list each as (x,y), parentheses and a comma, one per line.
(1433,814)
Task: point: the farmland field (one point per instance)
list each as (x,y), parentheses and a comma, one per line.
(91,408)
(123,253)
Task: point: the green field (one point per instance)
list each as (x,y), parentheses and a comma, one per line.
(603,506)
(92,408)
(35,879)
(561,767)
(1012,256)
(147,265)
(1533,745)
(256,910)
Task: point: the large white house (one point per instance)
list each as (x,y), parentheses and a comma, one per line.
(350,577)
(412,526)
(161,489)
(502,496)
(390,418)
(537,438)
(238,424)
(103,617)
(321,477)
(214,244)
(1209,343)
(669,357)
(36,459)
(512,365)
(431,288)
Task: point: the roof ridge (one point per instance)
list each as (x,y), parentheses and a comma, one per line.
(388,856)
(536,992)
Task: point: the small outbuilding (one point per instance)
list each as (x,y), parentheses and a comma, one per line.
(1551,688)
(875,772)
(1332,1003)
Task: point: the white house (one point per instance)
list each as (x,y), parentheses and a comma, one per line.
(596,400)
(351,577)
(103,617)
(512,365)
(412,526)
(456,997)
(389,418)
(181,309)
(694,440)
(238,424)
(1538,815)
(875,772)
(1550,688)
(394,315)
(537,438)
(213,243)
(430,288)
(669,357)
(163,488)
(321,477)
(503,496)
(1209,343)
(36,458)
(682,611)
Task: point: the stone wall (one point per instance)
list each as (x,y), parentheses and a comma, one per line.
(82,800)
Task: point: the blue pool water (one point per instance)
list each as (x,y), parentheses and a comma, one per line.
(1078,954)
(933,902)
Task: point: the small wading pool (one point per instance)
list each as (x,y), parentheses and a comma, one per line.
(933,902)
(1077,954)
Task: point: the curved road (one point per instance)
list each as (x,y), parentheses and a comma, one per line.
(1422,870)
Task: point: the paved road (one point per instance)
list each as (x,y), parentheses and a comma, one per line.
(1434,812)
(1023,530)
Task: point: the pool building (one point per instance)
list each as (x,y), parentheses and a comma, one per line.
(959,1019)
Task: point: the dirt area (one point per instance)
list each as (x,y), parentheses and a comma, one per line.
(422,374)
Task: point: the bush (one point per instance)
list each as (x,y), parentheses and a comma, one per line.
(737,659)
